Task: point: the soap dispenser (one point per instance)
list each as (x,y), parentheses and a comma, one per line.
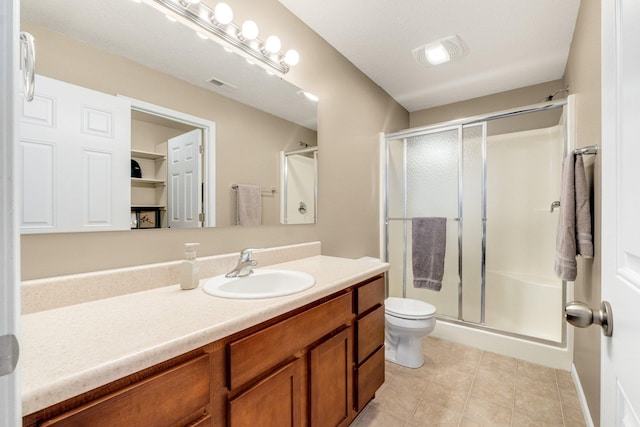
(190,274)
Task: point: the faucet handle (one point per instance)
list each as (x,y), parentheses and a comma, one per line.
(245,254)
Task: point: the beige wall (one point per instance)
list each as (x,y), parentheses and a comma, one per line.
(492,103)
(583,76)
(352,111)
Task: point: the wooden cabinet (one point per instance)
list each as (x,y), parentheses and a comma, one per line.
(316,366)
(177,396)
(369,326)
(320,341)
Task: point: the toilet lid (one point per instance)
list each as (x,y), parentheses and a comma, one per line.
(407,308)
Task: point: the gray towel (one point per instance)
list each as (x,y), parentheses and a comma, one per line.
(248,205)
(428,249)
(583,212)
(574,224)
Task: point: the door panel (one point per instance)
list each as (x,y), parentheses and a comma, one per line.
(10,412)
(85,183)
(620,376)
(185,203)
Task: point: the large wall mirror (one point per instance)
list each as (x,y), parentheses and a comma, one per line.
(180,88)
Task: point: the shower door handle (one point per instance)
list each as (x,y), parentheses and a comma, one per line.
(581,315)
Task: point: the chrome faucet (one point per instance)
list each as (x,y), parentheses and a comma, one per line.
(243,268)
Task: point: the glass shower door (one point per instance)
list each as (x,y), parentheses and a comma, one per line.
(423,181)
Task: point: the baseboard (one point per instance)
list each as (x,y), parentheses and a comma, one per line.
(581,397)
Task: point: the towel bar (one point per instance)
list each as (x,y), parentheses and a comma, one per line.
(591,149)
(271,190)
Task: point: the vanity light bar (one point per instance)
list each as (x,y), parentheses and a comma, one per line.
(203,17)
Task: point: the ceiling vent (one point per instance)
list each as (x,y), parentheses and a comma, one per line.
(440,51)
(220,83)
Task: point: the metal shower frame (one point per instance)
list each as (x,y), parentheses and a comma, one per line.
(460,125)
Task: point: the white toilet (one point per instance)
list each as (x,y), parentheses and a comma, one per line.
(407,324)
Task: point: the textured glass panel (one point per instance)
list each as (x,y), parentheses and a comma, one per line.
(432,175)
(395,252)
(395,178)
(432,189)
(472,222)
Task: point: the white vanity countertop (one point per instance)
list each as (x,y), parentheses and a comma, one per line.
(70,350)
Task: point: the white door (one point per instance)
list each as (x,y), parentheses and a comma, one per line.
(75,147)
(10,412)
(184,201)
(620,354)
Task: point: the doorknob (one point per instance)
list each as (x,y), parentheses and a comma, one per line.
(581,315)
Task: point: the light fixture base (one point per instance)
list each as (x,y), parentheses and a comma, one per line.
(440,51)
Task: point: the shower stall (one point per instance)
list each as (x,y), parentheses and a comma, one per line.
(496,179)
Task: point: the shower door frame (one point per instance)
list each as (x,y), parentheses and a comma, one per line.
(461,124)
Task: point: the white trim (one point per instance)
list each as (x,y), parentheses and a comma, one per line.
(382,191)
(581,397)
(10,396)
(208,142)
(520,348)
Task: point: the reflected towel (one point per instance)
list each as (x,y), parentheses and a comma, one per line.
(428,250)
(574,224)
(248,205)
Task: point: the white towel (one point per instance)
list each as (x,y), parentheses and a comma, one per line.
(248,205)
(574,224)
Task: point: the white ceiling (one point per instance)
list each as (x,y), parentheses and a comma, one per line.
(511,43)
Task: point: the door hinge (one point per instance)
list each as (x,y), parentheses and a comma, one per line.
(9,353)
(201,149)
(201,217)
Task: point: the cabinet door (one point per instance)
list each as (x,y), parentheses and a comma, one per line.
(276,401)
(330,381)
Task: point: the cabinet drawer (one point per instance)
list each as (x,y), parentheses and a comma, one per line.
(370,378)
(369,295)
(370,330)
(252,355)
(161,400)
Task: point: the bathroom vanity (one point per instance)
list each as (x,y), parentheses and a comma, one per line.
(314,358)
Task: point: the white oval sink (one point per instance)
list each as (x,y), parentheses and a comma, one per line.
(263,283)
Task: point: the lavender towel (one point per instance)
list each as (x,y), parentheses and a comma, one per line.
(248,205)
(574,225)
(428,249)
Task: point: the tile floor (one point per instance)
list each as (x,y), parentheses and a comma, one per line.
(462,386)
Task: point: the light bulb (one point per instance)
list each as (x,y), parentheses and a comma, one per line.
(191,1)
(437,54)
(223,13)
(249,30)
(291,57)
(171,18)
(202,36)
(272,44)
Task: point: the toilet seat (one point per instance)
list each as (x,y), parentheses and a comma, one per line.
(406,308)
